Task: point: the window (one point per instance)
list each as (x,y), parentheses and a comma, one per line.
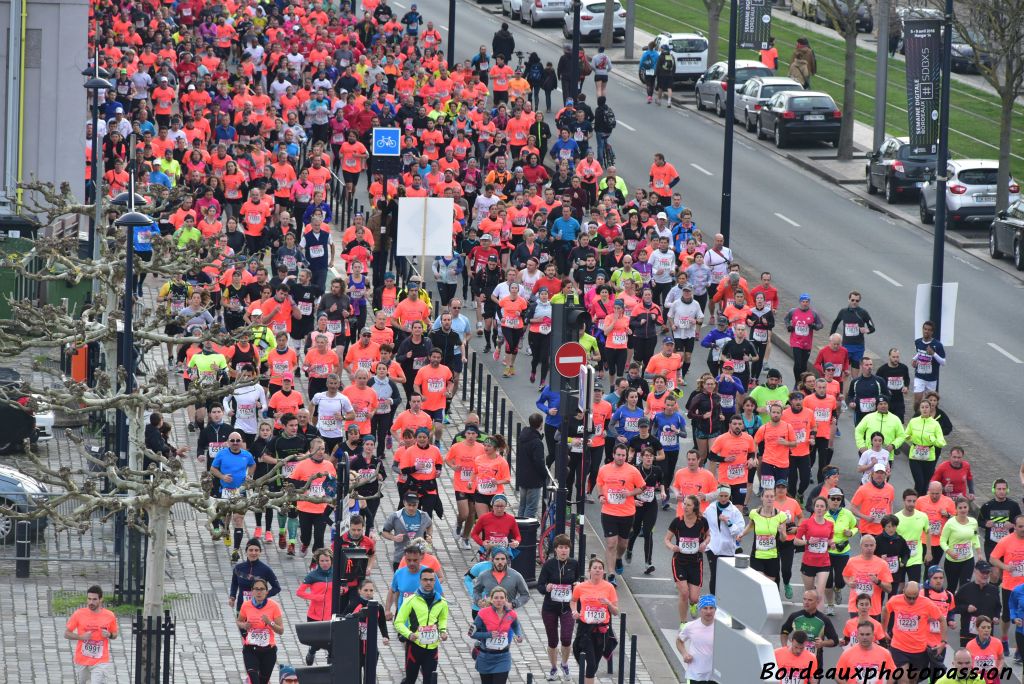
(689,45)
(808,102)
(978,176)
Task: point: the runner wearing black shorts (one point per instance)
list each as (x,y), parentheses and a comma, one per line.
(686,538)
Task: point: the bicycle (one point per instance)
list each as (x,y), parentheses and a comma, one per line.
(609,154)
(548,523)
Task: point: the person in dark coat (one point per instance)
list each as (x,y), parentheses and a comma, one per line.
(531,474)
(155,439)
(564,72)
(503,43)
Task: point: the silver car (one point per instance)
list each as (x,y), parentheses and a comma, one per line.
(755,93)
(970,192)
(711,85)
(536,11)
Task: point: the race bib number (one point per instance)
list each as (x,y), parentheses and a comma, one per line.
(669,438)
(544,328)
(647,495)
(316,251)
(998,531)
(510,321)
(817,545)
(335,327)
(893,562)
(912,545)
(972,626)
(488,486)
(316,489)
(424,465)
(1017,569)
(362,631)
(863,586)
(278,327)
(851,329)
(595,616)
(802,329)
(765,542)
(319,370)
(877,514)
(760,335)
(327,423)
(986,662)
(935,528)
(177,305)
(631,424)
(935,626)
(258,637)
(616,496)
(246,411)
(689,545)
(214,448)
(419,362)
(94,648)
(364,364)
(767,482)
(435,385)
(620,338)
(961,551)
(801,435)
(498,643)
(895,383)
(867,405)
(907,623)
(924,367)
(561,593)
(305,308)
(822,415)
(287,469)
(728,401)
(920,452)
(738,470)
(427,635)
(739,366)
(279,367)
(466,474)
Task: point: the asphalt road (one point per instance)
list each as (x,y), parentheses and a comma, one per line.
(814,237)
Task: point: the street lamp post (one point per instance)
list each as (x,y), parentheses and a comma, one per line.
(451,35)
(96,83)
(939,240)
(574,62)
(730,99)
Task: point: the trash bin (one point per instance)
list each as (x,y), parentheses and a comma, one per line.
(526,562)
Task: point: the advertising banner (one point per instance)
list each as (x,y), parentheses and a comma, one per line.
(922,40)
(755,23)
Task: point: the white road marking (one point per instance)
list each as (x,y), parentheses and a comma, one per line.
(702,170)
(888,279)
(443,27)
(966,262)
(398,4)
(788,220)
(656,597)
(1004,352)
(648,578)
(627,126)
(743,144)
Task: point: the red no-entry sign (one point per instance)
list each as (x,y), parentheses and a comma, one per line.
(569,358)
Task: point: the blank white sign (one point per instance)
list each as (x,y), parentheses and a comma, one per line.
(425,226)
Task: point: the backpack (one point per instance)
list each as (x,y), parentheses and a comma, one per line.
(608,118)
(535,72)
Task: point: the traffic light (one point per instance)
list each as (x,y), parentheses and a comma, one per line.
(576,317)
(341,636)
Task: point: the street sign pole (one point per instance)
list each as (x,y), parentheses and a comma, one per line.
(939,237)
(730,99)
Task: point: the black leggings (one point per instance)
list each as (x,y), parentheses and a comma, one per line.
(312,527)
(643,521)
(539,347)
(589,647)
(259,663)
(494,678)
(512,338)
(800,359)
(380,426)
(270,518)
(922,472)
(786,550)
(419,659)
(369,511)
(835,576)
(549,441)
(643,349)
(958,572)
(615,360)
(821,454)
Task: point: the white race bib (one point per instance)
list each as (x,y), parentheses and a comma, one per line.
(867,404)
(907,623)
(427,634)
(822,415)
(760,335)
(689,545)
(498,643)
(893,562)
(94,648)
(647,495)
(851,329)
(817,545)
(920,452)
(561,593)
(765,542)
(802,329)
(595,616)
(258,637)
(736,470)
(728,401)
(620,338)
(961,551)
(316,251)
(616,496)
(488,486)
(466,474)
(895,383)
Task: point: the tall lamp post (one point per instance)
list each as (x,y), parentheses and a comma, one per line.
(730,99)
(451,36)
(939,243)
(96,83)
(574,63)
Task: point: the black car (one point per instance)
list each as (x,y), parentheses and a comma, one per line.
(803,115)
(898,169)
(21,494)
(865,22)
(1006,236)
(17,419)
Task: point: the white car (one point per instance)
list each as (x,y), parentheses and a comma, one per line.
(970,192)
(755,93)
(690,51)
(536,11)
(513,8)
(592,20)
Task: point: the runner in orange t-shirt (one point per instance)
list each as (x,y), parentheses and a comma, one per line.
(778,438)
(618,483)
(939,508)
(866,573)
(793,658)
(92,627)
(696,481)
(364,354)
(663,177)
(261,619)
(864,657)
(462,458)
(872,501)
(492,474)
(1008,556)
(736,453)
(364,400)
(911,614)
(434,382)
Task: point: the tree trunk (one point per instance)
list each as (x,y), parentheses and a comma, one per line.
(156,559)
(849,94)
(608,24)
(1007,102)
(714,15)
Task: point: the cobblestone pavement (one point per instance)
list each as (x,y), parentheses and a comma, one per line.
(208,650)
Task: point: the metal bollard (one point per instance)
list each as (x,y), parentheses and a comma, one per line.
(622,649)
(22,548)
(510,433)
(503,409)
(494,418)
(464,378)
(472,380)
(479,389)
(486,418)
(529,678)
(632,659)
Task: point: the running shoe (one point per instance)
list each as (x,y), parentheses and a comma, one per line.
(479,329)
(533,378)
(282,541)
(693,610)
(258,533)
(305,549)
(649,570)
(619,567)
(830,609)
(227,540)
(789,591)
(553,676)
(268,538)
(497,353)
(235,556)
(388,442)
(291,548)
(310,657)
(649,98)
(487,349)
(629,556)
(565,673)
(613,580)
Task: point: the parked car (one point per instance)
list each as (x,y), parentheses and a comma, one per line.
(513,8)
(755,93)
(804,8)
(536,11)
(1006,236)
(592,20)
(19,492)
(897,170)
(962,56)
(690,51)
(865,21)
(711,85)
(23,421)
(970,192)
(804,115)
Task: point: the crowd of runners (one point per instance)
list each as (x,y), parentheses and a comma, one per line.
(255,113)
